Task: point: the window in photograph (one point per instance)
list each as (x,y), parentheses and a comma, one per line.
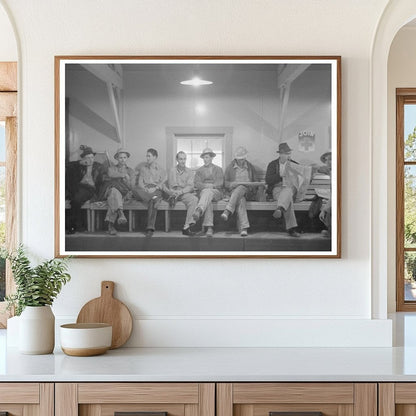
(194,145)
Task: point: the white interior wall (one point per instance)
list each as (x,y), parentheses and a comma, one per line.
(8,46)
(401,74)
(198,302)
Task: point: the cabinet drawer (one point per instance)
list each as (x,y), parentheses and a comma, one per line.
(309,399)
(21,399)
(147,399)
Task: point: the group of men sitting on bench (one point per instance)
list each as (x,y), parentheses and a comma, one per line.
(87,179)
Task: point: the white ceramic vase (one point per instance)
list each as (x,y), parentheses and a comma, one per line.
(37,330)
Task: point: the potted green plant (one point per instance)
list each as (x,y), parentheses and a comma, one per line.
(36,289)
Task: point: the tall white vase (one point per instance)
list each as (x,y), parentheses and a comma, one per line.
(37,330)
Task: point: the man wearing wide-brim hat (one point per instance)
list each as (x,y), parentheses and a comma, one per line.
(281,185)
(117,187)
(209,182)
(238,175)
(82,180)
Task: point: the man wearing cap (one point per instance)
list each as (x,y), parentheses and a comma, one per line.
(117,187)
(82,180)
(237,176)
(280,180)
(149,187)
(209,182)
(180,187)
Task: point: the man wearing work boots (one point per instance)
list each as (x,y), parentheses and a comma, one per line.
(117,187)
(181,188)
(282,179)
(209,181)
(238,176)
(150,184)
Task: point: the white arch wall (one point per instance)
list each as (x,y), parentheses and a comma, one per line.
(284,302)
(396,15)
(8,45)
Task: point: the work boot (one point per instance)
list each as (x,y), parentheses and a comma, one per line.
(225,215)
(121,217)
(278,213)
(111,229)
(197,214)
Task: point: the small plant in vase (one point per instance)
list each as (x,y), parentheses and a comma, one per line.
(36,289)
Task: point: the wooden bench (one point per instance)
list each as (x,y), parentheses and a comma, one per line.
(94,209)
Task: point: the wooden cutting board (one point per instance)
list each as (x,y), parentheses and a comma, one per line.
(108,310)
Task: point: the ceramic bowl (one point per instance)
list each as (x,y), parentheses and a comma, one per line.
(83,340)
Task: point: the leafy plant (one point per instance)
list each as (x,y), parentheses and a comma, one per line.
(35,285)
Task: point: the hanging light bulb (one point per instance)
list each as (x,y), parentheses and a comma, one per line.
(196,82)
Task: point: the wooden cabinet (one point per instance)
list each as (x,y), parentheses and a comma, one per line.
(106,399)
(331,399)
(27,399)
(208,399)
(397,399)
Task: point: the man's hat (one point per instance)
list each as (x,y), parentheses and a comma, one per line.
(324,156)
(240,153)
(207,151)
(86,150)
(284,148)
(121,150)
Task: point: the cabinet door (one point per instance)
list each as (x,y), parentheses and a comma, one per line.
(297,399)
(397,399)
(142,399)
(26,399)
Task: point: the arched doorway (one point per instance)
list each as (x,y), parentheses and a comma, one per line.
(396,15)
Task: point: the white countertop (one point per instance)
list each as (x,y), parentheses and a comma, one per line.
(222,364)
(215,364)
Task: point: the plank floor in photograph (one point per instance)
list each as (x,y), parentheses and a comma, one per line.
(175,241)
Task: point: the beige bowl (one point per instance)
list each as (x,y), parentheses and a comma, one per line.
(83,340)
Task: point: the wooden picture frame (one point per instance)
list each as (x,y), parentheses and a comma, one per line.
(254,113)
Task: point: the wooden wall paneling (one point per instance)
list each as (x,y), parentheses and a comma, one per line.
(207,399)
(386,399)
(8,76)
(66,399)
(365,399)
(224,399)
(251,393)
(138,393)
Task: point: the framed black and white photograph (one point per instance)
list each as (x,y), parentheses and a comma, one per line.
(198,156)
